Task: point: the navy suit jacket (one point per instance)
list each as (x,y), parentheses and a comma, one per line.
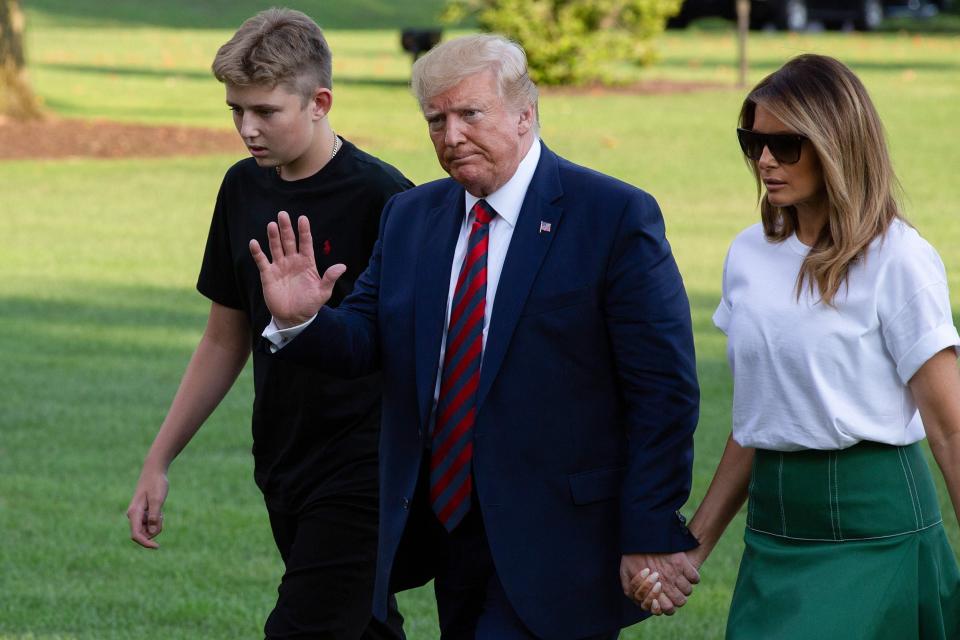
(588,397)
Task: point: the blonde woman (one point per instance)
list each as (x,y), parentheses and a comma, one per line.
(843,352)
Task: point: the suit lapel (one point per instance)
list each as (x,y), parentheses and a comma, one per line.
(528,247)
(434,257)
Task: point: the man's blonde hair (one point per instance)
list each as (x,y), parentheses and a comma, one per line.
(276,47)
(451,62)
(822,99)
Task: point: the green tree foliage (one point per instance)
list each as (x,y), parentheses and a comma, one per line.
(572,41)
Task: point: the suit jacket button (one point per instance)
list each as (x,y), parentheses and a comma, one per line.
(405,504)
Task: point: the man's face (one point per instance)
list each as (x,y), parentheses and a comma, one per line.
(273,121)
(479,140)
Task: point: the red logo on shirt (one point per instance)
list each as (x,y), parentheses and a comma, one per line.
(326,247)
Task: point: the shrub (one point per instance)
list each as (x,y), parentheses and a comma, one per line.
(572,41)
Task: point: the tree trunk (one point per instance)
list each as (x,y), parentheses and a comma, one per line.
(743,27)
(17,99)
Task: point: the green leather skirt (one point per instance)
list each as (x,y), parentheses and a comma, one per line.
(845,545)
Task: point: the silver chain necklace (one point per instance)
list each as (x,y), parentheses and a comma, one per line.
(333,153)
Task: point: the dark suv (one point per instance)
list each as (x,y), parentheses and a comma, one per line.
(795,15)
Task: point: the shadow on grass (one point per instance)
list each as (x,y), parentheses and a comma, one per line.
(358,81)
(147,72)
(129,330)
(86,318)
(180,114)
(105,319)
(198,74)
(229,14)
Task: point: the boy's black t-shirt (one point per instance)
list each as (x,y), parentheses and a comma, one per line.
(314,435)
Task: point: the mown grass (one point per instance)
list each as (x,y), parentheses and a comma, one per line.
(98,314)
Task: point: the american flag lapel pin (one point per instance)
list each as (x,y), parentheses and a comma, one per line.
(544,227)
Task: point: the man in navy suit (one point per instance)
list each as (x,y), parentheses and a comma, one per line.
(540,386)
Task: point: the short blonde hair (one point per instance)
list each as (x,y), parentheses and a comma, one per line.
(276,47)
(822,99)
(451,62)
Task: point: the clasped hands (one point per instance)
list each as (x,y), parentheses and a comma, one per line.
(659,582)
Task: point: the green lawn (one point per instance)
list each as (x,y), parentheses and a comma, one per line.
(228,14)
(98,314)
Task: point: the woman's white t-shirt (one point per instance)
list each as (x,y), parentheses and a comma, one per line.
(810,376)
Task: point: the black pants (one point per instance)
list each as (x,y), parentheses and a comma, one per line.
(330,549)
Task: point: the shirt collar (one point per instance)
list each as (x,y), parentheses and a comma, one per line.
(508,199)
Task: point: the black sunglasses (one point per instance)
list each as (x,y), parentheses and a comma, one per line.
(785,147)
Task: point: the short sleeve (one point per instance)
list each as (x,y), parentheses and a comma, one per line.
(217,280)
(914,308)
(721,317)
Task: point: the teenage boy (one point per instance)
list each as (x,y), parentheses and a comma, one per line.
(314,437)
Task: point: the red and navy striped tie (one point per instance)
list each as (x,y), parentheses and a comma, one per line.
(450,475)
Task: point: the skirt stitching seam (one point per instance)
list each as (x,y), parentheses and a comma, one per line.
(836,481)
(833,529)
(892,535)
(783,513)
(909,489)
(916,489)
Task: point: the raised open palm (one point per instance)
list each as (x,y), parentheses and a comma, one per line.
(292,288)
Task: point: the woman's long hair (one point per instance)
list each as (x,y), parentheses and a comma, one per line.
(820,98)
